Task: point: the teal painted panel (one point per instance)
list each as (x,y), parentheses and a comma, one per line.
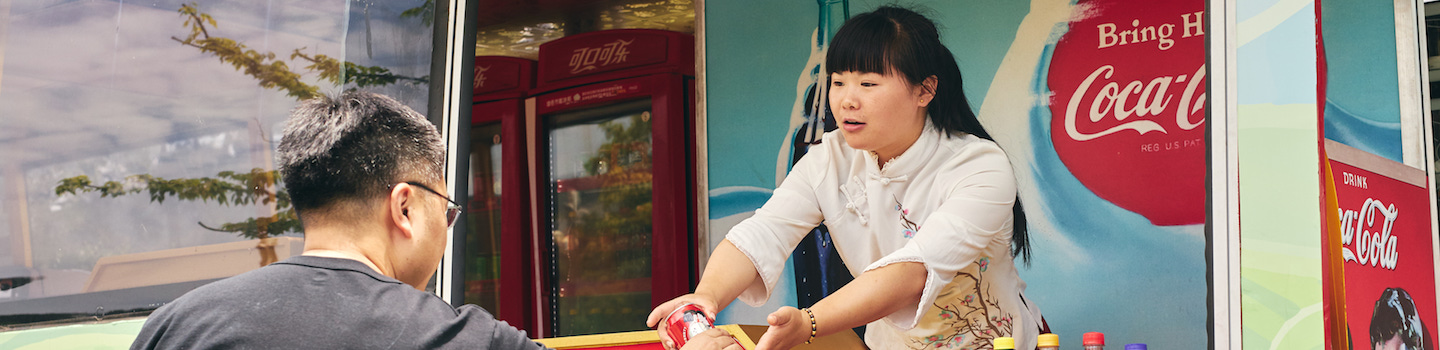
(1362,98)
(99,336)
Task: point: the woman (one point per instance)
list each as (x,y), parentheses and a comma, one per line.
(920,203)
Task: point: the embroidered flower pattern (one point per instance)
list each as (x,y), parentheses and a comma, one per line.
(946,315)
(973,323)
(907,227)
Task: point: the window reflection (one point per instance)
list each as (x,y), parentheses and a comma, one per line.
(600,168)
(482,274)
(136,151)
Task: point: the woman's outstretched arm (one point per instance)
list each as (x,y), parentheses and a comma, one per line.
(871,296)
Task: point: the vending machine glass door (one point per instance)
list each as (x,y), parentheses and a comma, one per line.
(482,274)
(600,222)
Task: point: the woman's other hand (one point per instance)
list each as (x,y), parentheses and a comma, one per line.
(657,317)
(715,338)
(789,327)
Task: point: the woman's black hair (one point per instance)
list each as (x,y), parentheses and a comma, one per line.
(894,40)
(1396,315)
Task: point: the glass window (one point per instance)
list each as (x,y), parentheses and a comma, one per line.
(600,201)
(482,275)
(137,147)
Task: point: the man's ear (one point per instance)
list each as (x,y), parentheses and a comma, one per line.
(401,202)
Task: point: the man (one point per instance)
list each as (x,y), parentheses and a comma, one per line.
(365,175)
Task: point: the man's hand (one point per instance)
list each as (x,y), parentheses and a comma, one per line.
(657,316)
(712,339)
(789,327)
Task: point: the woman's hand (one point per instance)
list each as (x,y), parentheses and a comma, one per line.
(789,327)
(714,338)
(657,317)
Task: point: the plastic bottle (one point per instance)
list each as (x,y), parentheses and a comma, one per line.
(1137,346)
(1004,343)
(1094,341)
(1047,341)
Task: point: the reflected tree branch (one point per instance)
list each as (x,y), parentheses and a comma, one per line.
(258,186)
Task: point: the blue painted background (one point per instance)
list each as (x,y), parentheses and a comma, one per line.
(1362,104)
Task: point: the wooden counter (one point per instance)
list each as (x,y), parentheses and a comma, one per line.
(649,340)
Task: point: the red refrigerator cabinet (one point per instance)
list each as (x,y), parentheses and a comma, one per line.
(497,232)
(611,130)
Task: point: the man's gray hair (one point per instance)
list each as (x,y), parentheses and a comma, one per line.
(354,146)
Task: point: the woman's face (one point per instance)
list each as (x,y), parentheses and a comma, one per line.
(1395,343)
(878,112)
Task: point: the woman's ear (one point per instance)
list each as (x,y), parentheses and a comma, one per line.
(927,90)
(400,201)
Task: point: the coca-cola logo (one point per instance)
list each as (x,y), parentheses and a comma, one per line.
(480,76)
(592,58)
(1128,108)
(1365,234)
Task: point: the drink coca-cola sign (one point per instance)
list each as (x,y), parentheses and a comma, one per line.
(1128,110)
(1385,244)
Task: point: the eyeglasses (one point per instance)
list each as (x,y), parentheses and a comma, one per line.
(452,211)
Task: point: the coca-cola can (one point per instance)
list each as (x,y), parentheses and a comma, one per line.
(686,322)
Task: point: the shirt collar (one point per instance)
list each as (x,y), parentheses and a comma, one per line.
(336,264)
(912,159)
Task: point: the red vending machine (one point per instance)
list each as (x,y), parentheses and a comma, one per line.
(611,127)
(497,231)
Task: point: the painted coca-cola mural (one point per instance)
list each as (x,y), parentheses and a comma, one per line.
(1129,106)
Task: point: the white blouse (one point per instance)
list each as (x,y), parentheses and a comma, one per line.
(946,203)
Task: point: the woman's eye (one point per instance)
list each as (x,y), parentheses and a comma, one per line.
(867,84)
(836,83)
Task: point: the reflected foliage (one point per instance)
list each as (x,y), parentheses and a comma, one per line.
(274,73)
(258,186)
(227,188)
(607,246)
(620,224)
(425,11)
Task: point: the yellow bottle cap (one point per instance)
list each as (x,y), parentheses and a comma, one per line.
(1048,339)
(1004,343)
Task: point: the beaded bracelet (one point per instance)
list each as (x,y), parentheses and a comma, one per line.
(813,328)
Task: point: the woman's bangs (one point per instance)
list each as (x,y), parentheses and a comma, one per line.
(862,46)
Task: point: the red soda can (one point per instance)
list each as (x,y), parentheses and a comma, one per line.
(686,322)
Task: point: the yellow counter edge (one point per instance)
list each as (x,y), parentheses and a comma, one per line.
(632,338)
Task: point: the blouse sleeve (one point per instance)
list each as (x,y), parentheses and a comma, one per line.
(975,214)
(768,237)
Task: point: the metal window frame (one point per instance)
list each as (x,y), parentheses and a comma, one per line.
(1222,224)
(452,56)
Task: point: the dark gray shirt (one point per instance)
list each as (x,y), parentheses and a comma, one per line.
(308,302)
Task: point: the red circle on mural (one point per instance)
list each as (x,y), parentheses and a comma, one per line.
(1128,116)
